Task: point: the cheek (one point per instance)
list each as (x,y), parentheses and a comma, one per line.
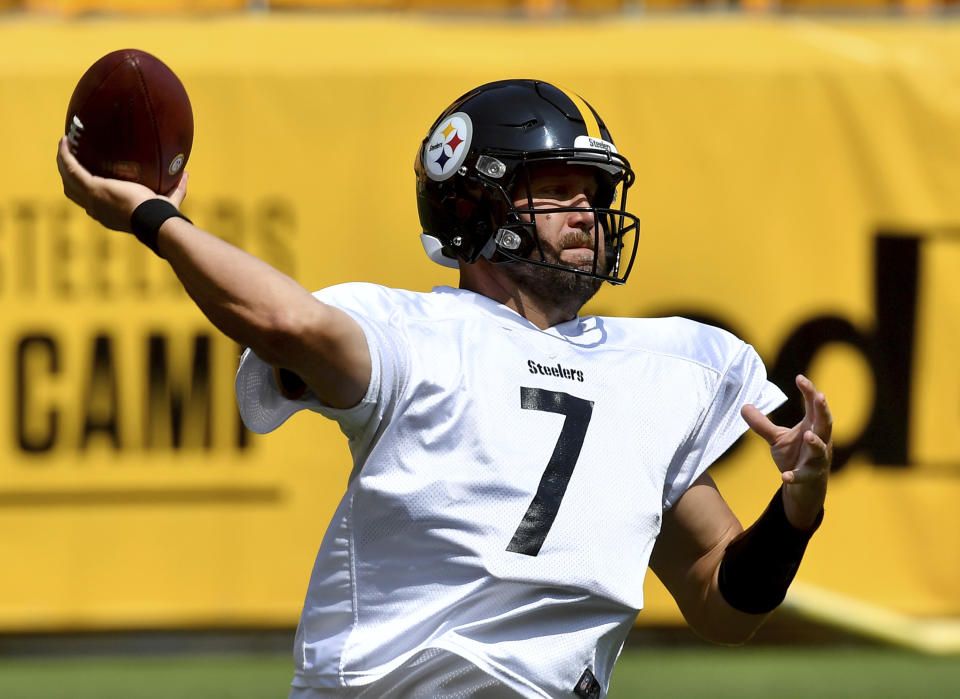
(549,221)
(549,227)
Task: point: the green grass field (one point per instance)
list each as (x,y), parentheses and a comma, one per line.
(743,673)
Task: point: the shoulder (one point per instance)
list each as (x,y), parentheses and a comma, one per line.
(680,338)
(373,301)
(357,292)
(383,303)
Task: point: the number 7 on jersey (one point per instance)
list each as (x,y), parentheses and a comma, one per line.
(539,517)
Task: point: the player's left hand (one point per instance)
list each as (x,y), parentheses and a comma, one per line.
(803,453)
(109,201)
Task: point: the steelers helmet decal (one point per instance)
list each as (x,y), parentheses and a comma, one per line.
(447,147)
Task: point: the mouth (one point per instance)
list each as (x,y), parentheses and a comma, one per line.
(581,258)
(579,245)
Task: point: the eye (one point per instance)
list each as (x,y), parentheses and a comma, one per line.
(554,190)
(563,191)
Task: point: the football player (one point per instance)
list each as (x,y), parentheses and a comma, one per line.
(516,465)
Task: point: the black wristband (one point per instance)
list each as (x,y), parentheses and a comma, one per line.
(758,566)
(146,219)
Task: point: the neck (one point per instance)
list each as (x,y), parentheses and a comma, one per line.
(488,279)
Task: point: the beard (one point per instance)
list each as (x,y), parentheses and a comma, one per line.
(558,287)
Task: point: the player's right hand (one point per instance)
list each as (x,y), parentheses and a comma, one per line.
(109,201)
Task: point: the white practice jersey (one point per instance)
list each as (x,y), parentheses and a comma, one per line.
(508,486)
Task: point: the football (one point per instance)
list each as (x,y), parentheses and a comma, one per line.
(130,118)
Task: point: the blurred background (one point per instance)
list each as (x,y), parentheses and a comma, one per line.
(798,182)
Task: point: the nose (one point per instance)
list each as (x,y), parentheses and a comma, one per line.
(583,217)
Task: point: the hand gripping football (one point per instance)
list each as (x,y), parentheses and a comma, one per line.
(130,118)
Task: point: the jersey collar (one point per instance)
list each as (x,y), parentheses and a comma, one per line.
(484,305)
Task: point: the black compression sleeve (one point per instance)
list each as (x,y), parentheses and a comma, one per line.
(758,566)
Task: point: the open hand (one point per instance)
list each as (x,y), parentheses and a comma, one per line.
(107,200)
(803,453)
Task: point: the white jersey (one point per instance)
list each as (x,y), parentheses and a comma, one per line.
(508,484)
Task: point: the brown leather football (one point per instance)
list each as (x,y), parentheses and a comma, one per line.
(130,118)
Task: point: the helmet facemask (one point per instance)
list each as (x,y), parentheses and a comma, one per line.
(516,240)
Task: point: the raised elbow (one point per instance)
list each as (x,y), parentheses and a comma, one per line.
(279,335)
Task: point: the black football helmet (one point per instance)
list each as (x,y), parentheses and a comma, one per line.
(476,160)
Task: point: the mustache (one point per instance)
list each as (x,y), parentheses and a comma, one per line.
(579,239)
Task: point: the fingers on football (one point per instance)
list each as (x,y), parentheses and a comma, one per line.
(62,168)
(73,174)
(179,191)
(759,423)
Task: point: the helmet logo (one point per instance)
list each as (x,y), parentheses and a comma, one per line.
(448,146)
(594,144)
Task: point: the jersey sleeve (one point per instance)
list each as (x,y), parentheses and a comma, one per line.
(264,408)
(743,381)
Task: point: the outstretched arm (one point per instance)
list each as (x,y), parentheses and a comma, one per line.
(725,580)
(247,299)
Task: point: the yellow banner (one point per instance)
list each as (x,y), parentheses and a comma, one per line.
(797,183)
